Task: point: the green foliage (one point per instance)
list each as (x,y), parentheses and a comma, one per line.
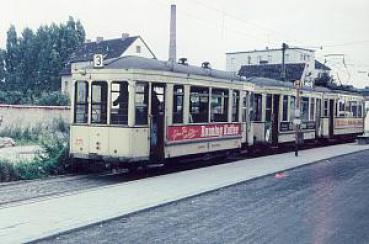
(53,99)
(33,60)
(53,158)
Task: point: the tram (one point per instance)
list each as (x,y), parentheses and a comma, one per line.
(134,109)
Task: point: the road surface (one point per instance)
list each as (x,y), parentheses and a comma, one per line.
(327,202)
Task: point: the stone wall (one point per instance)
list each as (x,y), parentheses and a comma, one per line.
(28,116)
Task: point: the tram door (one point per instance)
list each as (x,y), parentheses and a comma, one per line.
(275,119)
(157,122)
(331,118)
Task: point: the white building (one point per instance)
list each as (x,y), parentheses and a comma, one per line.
(300,63)
(111,49)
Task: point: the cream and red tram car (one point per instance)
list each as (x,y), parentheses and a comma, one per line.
(136,109)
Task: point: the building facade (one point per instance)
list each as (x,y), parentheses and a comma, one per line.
(300,64)
(110,49)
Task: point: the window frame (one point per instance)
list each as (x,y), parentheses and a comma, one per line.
(112,91)
(224,96)
(101,103)
(85,103)
(175,113)
(200,96)
(146,96)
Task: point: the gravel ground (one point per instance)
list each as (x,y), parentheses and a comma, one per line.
(327,202)
(19,191)
(19,153)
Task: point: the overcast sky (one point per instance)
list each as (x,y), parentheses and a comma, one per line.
(208,29)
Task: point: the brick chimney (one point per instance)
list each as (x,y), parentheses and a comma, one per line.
(173,41)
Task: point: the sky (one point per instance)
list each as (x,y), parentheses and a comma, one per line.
(206,29)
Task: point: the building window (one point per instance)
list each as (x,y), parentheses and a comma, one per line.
(141,103)
(292,107)
(219,105)
(178,104)
(305,109)
(268,108)
(119,103)
(81,102)
(285,108)
(99,101)
(249,60)
(199,105)
(256,107)
(138,49)
(270,59)
(235,105)
(312,109)
(259,59)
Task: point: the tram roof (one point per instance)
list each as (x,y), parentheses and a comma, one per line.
(262,81)
(133,62)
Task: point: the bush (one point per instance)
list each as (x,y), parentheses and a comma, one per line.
(53,99)
(52,160)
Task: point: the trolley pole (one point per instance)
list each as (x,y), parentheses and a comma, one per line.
(297,120)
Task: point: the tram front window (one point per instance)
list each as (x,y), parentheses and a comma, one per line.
(256,107)
(119,103)
(99,101)
(81,102)
(141,102)
(199,105)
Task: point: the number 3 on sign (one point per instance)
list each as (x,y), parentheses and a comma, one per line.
(98,61)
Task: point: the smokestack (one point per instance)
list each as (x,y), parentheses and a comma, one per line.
(173,34)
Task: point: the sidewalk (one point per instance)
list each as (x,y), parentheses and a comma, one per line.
(32,221)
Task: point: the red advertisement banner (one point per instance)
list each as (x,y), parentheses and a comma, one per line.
(193,132)
(348,123)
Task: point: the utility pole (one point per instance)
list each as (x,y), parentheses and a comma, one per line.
(297,119)
(284,48)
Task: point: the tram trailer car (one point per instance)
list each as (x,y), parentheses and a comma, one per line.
(135,109)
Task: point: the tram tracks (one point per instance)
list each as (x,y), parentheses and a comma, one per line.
(25,192)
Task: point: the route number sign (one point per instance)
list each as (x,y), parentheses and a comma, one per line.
(98,61)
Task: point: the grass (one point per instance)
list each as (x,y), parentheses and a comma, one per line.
(53,158)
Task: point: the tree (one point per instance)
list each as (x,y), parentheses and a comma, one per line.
(2,66)
(12,59)
(34,60)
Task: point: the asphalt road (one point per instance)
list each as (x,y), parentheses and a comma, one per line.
(327,202)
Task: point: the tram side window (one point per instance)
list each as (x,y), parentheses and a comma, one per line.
(360,111)
(285,108)
(244,109)
(325,108)
(141,103)
(99,101)
(354,108)
(178,104)
(312,109)
(268,108)
(199,105)
(81,102)
(292,107)
(235,105)
(219,105)
(305,109)
(119,103)
(257,107)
